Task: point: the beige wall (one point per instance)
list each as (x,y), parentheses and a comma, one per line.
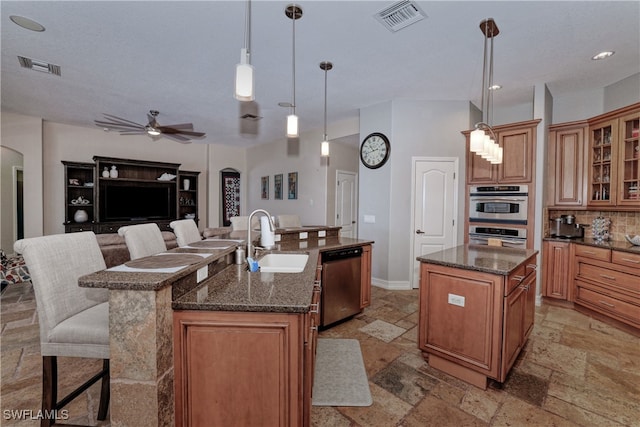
(75,143)
(24,135)
(282,157)
(10,159)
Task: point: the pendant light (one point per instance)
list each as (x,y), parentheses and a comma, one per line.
(293,12)
(324,147)
(483,138)
(244,84)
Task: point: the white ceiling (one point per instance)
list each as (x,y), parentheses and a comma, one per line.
(178,57)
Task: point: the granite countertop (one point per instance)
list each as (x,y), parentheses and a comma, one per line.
(237,289)
(150,281)
(618,245)
(487,259)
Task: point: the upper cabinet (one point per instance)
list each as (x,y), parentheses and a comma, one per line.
(629,160)
(614,160)
(518,141)
(567,165)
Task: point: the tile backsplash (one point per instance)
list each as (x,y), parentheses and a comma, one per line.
(621,222)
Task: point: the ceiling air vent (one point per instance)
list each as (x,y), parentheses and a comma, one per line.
(43,67)
(399,15)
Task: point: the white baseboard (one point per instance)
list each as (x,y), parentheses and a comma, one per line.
(397,285)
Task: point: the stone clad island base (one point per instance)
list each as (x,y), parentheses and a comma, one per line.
(477,307)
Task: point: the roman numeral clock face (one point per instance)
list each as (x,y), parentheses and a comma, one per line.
(375,150)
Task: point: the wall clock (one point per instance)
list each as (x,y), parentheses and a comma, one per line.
(375,150)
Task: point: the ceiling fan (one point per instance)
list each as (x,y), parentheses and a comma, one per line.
(182,132)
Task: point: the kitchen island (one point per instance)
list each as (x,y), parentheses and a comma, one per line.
(476,310)
(182,339)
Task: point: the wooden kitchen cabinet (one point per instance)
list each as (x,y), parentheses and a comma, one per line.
(365,272)
(614,160)
(567,165)
(608,282)
(556,270)
(473,325)
(518,141)
(239,368)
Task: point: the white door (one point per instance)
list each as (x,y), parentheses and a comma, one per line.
(435,200)
(346,199)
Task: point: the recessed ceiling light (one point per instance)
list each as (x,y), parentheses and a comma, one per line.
(603,55)
(26,23)
(495,87)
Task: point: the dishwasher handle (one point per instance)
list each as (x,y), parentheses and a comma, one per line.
(341,254)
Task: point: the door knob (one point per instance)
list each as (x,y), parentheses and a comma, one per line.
(419,232)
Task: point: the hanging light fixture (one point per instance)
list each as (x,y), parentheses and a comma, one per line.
(293,12)
(244,70)
(483,138)
(324,147)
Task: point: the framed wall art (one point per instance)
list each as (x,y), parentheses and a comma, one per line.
(264,187)
(293,185)
(277,186)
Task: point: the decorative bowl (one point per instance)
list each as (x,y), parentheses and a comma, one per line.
(635,240)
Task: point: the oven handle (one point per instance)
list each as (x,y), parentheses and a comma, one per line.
(520,242)
(498,199)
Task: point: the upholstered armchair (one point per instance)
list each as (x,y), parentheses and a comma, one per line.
(74,322)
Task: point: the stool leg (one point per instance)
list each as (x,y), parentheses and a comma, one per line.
(105,392)
(49,389)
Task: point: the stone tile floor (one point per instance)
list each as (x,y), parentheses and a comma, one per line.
(574,371)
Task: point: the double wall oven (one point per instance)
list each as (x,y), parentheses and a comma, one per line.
(499,211)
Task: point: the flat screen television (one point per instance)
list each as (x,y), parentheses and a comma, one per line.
(137,203)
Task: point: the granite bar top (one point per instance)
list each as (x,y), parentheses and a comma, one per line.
(487,259)
(151,281)
(618,245)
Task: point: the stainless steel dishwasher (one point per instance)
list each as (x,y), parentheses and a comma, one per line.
(341,281)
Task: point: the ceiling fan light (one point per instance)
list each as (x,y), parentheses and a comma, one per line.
(153,132)
(324,148)
(292,126)
(244,78)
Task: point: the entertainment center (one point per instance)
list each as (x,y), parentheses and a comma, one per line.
(110,193)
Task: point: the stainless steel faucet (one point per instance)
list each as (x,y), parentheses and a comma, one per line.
(271,228)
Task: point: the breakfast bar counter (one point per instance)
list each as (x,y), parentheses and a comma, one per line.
(149,306)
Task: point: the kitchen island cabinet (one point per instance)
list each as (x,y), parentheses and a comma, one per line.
(217,303)
(476,310)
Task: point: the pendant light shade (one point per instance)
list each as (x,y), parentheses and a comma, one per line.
(324,147)
(482,140)
(292,125)
(244,83)
(293,12)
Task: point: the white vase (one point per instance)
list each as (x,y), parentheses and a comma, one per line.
(114,172)
(81,216)
(105,172)
(186,184)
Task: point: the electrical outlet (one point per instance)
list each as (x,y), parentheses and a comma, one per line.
(202,274)
(454,299)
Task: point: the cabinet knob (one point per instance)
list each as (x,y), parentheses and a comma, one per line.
(419,231)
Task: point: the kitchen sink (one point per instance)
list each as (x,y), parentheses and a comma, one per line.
(283,263)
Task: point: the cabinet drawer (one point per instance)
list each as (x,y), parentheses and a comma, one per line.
(593,252)
(520,275)
(78,228)
(605,303)
(626,258)
(607,276)
(108,228)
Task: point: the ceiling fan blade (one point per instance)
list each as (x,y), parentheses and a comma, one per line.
(117,125)
(121,120)
(131,132)
(187,126)
(171,131)
(178,138)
